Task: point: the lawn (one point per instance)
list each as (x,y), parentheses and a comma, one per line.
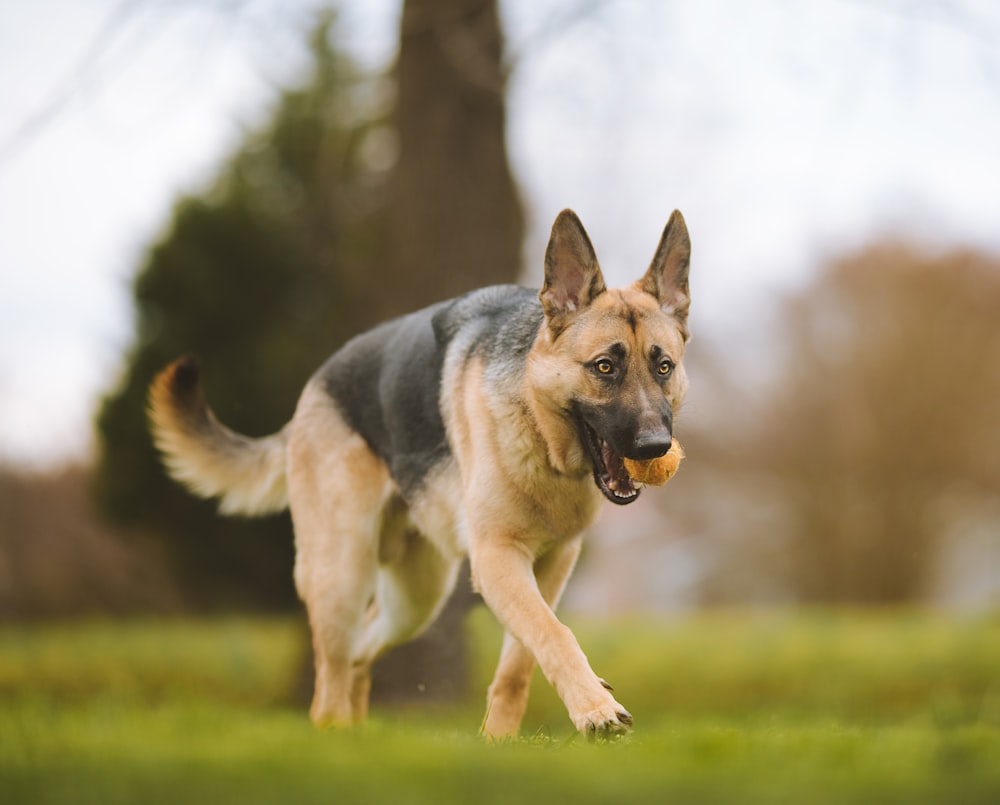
(817,707)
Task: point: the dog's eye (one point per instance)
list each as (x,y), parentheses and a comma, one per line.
(666,367)
(604,366)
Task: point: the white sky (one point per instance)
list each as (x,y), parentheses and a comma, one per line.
(784,132)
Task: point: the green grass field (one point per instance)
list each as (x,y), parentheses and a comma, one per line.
(729,707)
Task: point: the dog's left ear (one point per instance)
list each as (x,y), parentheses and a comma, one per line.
(573,278)
(667,277)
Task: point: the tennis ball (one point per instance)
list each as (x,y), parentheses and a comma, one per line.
(656,471)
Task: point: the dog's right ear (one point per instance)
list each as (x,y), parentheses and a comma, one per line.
(573,278)
(667,277)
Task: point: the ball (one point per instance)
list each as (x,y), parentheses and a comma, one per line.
(656,471)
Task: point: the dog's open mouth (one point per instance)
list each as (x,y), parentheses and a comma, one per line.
(609,468)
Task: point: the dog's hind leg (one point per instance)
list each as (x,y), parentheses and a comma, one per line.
(507,698)
(413,583)
(337,488)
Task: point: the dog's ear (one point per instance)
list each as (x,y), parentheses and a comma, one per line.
(573,278)
(667,277)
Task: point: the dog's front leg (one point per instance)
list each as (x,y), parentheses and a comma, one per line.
(508,694)
(503,570)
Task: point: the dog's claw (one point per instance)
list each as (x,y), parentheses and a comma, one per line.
(609,727)
(605,684)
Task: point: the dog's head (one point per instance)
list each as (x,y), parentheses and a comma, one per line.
(609,360)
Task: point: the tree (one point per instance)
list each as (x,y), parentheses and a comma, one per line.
(879,440)
(256,278)
(59,560)
(455,220)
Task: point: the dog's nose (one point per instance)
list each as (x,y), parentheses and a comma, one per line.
(651,445)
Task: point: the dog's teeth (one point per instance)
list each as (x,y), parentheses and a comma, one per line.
(637,484)
(613,485)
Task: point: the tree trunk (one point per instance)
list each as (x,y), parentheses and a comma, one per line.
(454,224)
(454,220)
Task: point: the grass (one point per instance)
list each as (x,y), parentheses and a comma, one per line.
(762,707)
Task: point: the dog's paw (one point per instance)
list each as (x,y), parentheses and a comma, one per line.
(594,711)
(604,722)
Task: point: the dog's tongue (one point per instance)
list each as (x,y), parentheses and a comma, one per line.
(618,477)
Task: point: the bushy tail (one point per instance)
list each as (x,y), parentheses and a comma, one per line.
(247,475)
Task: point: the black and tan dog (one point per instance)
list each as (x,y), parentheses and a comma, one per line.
(489,425)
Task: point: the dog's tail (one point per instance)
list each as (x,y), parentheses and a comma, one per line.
(247,475)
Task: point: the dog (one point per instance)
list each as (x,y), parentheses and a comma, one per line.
(491,425)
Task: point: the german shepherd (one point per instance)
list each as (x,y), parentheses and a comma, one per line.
(489,425)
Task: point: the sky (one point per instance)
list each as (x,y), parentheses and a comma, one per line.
(787,133)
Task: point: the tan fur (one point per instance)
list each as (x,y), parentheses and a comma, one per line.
(247,475)
(354,542)
(556,365)
(528,494)
(515,494)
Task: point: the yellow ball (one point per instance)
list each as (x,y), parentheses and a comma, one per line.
(656,471)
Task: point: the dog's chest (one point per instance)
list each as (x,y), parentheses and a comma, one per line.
(436,510)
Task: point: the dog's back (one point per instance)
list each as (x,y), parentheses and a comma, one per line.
(386,383)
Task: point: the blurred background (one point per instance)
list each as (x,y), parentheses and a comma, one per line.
(254,181)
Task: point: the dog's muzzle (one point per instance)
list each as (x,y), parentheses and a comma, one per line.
(609,467)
